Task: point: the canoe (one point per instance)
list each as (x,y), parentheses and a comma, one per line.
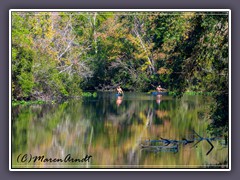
(159,93)
(117,95)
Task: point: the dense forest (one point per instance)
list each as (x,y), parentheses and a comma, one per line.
(58,55)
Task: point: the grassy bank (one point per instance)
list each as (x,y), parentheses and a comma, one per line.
(15,103)
(94,94)
(192,93)
(22,102)
(89,94)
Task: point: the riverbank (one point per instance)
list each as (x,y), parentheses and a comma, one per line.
(191,93)
(23,102)
(94,94)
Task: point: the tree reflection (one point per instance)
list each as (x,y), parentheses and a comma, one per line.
(112,134)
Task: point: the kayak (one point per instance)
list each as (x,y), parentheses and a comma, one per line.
(159,93)
(117,95)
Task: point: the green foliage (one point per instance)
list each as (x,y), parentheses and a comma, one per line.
(89,94)
(40,57)
(16,103)
(220,116)
(22,75)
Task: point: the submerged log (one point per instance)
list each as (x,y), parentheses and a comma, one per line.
(169,141)
(165,143)
(207,139)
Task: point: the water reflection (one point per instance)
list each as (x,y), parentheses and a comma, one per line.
(158,99)
(119,100)
(112,132)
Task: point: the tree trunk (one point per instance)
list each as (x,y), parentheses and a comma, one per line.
(94,32)
(150,60)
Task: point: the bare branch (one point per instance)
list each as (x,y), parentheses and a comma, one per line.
(66,69)
(68,46)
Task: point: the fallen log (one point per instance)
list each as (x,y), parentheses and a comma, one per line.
(175,143)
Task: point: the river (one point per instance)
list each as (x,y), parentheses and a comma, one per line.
(137,130)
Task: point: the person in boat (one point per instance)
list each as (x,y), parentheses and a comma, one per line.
(119,91)
(119,96)
(159,93)
(160,89)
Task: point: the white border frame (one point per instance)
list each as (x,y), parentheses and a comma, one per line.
(114,10)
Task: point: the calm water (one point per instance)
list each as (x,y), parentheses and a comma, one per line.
(112,131)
